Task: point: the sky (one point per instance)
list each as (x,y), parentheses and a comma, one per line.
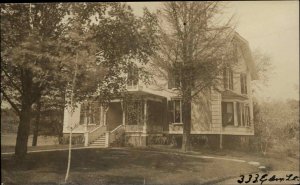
(272,27)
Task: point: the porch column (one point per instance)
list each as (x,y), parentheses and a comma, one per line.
(104,116)
(123,112)
(235,118)
(145,117)
(101,115)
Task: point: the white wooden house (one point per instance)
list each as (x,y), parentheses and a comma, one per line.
(157,109)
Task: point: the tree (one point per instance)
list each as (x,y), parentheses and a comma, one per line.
(40,42)
(194,47)
(264,69)
(29,61)
(112,44)
(276,126)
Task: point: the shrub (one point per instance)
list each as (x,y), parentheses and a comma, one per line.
(79,139)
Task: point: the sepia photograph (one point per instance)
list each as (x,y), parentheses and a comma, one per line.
(150,93)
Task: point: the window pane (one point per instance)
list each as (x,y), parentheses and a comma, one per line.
(82,113)
(227,113)
(132,76)
(177,111)
(229,107)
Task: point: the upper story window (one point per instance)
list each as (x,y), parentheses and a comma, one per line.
(228,78)
(243,78)
(174,80)
(175,111)
(132,76)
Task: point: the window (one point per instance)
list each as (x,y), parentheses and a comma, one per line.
(227,113)
(133,76)
(228,78)
(243,78)
(243,114)
(175,111)
(134,113)
(90,113)
(247,116)
(174,80)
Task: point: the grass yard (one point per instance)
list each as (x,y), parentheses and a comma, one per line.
(9,139)
(118,166)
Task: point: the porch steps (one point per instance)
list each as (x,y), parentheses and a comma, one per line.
(100,142)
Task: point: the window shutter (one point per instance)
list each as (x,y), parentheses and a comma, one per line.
(238,113)
(231,80)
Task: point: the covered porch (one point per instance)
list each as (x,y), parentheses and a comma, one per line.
(145,113)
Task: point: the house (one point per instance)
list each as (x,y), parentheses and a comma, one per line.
(148,111)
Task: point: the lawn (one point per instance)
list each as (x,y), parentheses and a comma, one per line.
(9,139)
(118,166)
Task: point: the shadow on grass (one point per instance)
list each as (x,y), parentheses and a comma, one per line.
(90,160)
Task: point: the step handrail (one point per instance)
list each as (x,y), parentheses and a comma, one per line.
(115,133)
(114,130)
(95,133)
(95,129)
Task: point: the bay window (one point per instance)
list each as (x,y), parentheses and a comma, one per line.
(238,115)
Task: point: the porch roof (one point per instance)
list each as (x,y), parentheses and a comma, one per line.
(146,95)
(229,95)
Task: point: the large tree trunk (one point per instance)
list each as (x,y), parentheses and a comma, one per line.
(187,85)
(187,109)
(186,115)
(25,116)
(37,122)
(23,132)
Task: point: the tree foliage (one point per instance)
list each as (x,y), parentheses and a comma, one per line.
(277,127)
(39,44)
(194,46)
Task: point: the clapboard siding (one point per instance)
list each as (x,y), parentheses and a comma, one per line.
(201,112)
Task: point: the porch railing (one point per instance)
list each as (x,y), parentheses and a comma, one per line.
(95,133)
(134,128)
(116,134)
(154,128)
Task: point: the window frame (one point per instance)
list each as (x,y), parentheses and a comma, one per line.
(225,114)
(91,112)
(228,78)
(132,76)
(174,78)
(172,104)
(244,83)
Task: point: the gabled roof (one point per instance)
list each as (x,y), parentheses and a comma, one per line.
(246,52)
